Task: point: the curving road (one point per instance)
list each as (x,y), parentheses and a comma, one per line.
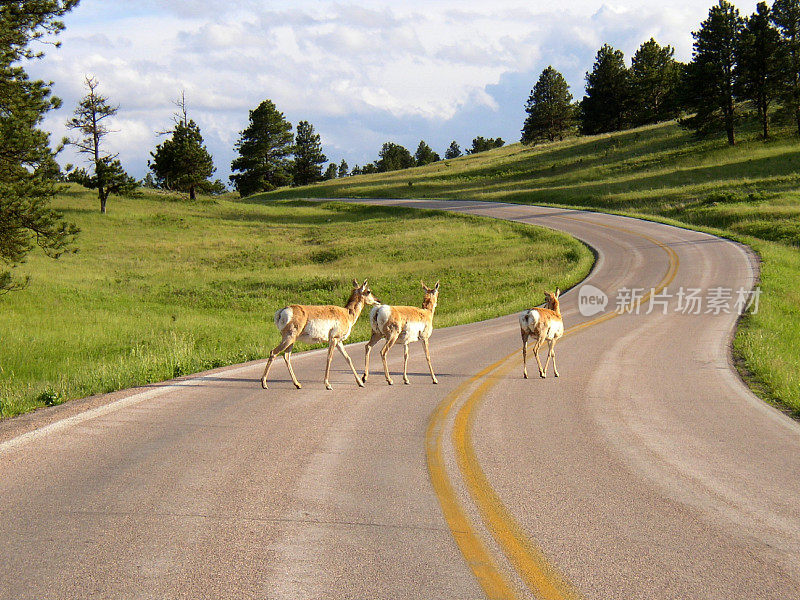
(647,470)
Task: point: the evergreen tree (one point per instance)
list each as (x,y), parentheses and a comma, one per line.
(711,76)
(182,163)
(607,100)
(392,158)
(332,172)
(482,144)
(343,168)
(425,154)
(49,169)
(549,109)
(786,16)
(655,78)
(149,182)
(760,63)
(89,122)
(356,170)
(79,176)
(308,156)
(110,178)
(372,167)
(26,218)
(264,148)
(215,188)
(454,151)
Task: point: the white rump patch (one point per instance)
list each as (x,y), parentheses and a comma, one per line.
(529,319)
(378,317)
(282,318)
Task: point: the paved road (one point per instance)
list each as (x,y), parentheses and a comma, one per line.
(646,470)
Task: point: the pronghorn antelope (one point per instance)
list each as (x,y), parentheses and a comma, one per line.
(543,324)
(315,324)
(404,324)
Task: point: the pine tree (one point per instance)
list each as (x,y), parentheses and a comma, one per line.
(264,148)
(182,162)
(372,167)
(343,168)
(759,64)
(482,144)
(108,176)
(655,78)
(786,16)
(215,188)
(711,76)
(332,172)
(149,182)
(392,158)
(425,154)
(308,156)
(549,109)
(607,100)
(26,189)
(454,151)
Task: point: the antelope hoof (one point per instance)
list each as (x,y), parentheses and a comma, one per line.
(390,382)
(364,378)
(298,386)
(406,381)
(360,383)
(264,384)
(524,374)
(435,381)
(542,374)
(328,386)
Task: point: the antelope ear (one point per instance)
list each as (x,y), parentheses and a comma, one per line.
(558,292)
(424,287)
(363,287)
(355,283)
(436,287)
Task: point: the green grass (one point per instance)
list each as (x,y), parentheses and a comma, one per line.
(161,288)
(768,342)
(750,192)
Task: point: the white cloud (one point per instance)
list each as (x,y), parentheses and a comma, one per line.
(385,70)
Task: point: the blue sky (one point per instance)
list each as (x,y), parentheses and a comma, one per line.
(361,73)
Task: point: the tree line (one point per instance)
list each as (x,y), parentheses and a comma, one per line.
(736,62)
(393,157)
(270,155)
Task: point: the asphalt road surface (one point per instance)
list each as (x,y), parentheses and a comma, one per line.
(647,470)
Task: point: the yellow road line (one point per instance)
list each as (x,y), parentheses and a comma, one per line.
(530,562)
(539,575)
(486,570)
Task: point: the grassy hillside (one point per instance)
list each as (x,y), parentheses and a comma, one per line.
(162,287)
(750,192)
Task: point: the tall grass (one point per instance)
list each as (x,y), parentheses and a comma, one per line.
(161,288)
(750,191)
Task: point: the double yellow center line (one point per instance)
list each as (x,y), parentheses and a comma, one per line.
(530,563)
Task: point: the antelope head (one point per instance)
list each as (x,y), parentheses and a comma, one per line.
(431,296)
(551,300)
(363,292)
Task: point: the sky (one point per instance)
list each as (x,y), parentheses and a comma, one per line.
(362,73)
